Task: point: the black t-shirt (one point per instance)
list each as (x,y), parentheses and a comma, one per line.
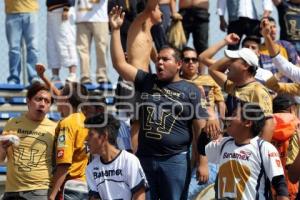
(166,112)
(289,21)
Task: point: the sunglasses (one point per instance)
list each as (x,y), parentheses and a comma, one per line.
(187,60)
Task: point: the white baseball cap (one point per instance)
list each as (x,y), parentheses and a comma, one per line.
(246,54)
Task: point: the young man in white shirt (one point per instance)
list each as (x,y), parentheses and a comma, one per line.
(247,163)
(113,174)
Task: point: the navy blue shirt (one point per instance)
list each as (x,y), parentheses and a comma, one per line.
(166,112)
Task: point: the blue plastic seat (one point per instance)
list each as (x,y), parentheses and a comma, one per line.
(90,87)
(106,86)
(55,116)
(7,115)
(109,100)
(58,85)
(2,169)
(2,100)
(17,100)
(12,87)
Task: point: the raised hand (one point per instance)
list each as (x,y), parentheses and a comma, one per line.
(265,27)
(65,15)
(40,69)
(223,24)
(176,16)
(232,39)
(116,17)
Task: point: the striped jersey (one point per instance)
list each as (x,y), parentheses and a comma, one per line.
(241,173)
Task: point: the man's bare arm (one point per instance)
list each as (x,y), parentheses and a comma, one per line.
(40,69)
(59,177)
(139,195)
(198,125)
(3,150)
(153,54)
(206,56)
(270,44)
(217,71)
(221,108)
(126,71)
(175,15)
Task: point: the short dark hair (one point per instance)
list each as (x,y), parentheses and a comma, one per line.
(251,69)
(35,88)
(76,93)
(177,53)
(186,48)
(252,38)
(254,113)
(282,103)
(97,98)
(105,123)
(271,19)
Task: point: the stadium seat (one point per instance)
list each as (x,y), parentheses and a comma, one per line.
(7,115)
(106,86)
(2,169)
(109,100)
(2,100)
(90,87)
(55,116)
(59,85)
(12,87)
(17,100)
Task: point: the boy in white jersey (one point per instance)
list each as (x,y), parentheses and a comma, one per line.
(247,163)
(113,174)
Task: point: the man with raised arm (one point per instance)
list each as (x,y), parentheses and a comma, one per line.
(139,40)
(170,115)
(240,81)
(139,50)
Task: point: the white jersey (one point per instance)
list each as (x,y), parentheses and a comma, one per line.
(91,11)
(118,179)
(240,173)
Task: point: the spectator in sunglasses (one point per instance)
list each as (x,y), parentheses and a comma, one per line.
(213,95)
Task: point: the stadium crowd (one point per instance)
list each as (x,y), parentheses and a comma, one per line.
(172,127)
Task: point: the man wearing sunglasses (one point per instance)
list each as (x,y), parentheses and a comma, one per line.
(191,71)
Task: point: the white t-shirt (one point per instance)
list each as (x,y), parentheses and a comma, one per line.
(240,167)
(91,11)
(118,179)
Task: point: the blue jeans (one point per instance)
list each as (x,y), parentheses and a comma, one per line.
(168,176)
(22,26)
